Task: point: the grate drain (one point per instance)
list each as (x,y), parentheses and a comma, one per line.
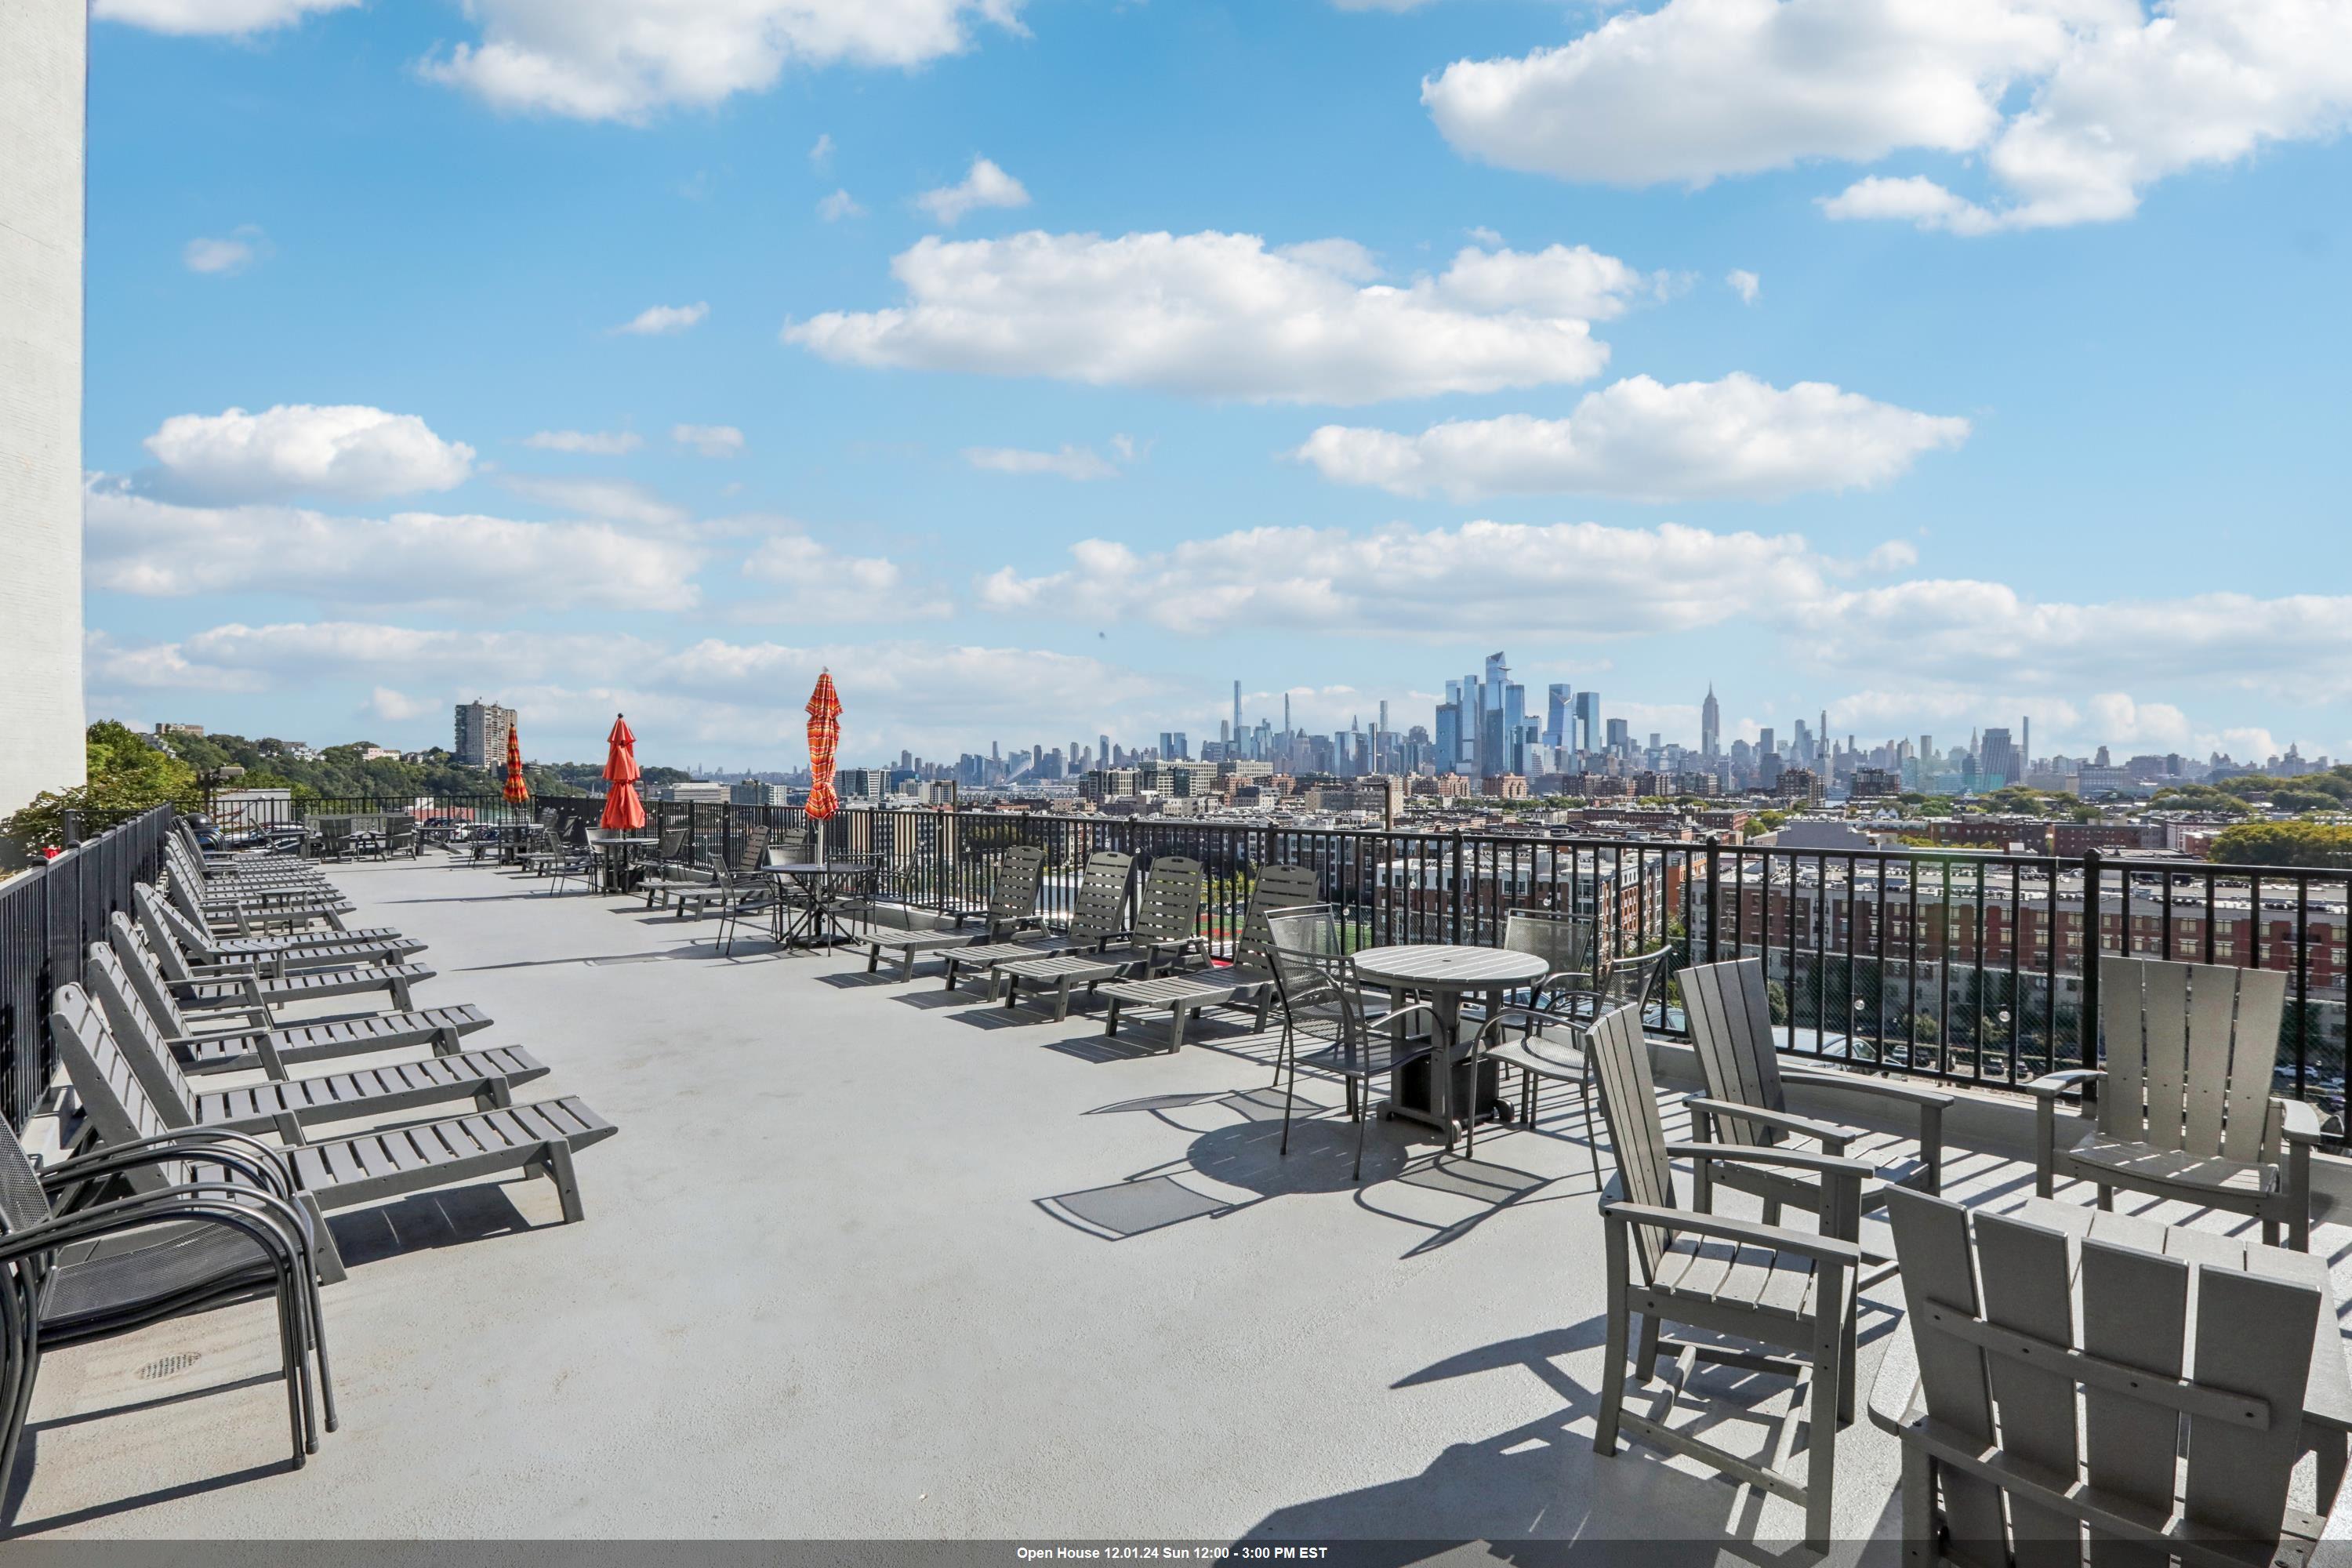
(170,1366)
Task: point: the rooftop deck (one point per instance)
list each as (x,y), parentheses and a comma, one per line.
(869,1259)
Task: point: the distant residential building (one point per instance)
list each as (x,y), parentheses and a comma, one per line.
(1507,786)
(695,792)
(1871,783)
(861,783)
(163,729)
(1110,783)
(1797,783)
(751,792)
(1444,786)
(374,753)
(481,734)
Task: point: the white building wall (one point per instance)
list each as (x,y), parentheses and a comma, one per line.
(43,68)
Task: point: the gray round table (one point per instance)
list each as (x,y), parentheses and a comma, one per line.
(1445,973)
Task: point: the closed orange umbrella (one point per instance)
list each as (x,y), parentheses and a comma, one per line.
(516,793)
(824,739)
(623,809)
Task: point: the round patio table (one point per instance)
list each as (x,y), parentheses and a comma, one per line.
(615,853)
(813,924)
(1445,973)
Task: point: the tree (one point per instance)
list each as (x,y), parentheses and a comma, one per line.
(1776,996)
(127,776)
(2311,844)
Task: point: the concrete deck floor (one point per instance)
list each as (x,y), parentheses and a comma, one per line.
(868,1260)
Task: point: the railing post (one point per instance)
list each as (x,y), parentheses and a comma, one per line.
(2086,1017)
(1455,878)
(71,828)
(1714,864)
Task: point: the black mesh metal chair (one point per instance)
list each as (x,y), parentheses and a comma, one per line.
(222,1230)
(1630,981)
(1322,997)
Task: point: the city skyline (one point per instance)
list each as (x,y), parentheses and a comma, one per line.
(701,415)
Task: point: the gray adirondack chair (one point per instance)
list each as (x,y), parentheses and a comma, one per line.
(1732,1032)
(2185,1107)
(673,867)
(1165,929)
(736,883)
(2184,1441)
(1248,983)
(332,1173)
(1792,1292)
(1098,914)
(1012,905)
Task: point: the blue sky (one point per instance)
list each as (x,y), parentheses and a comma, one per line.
(1044,365)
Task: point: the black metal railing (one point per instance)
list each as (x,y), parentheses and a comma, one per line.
(1951,963)
(48,917)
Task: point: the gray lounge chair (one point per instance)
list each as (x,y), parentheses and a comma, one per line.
(672,867)
(1012,905)
(2186,1109)
(316,949)
(238,986)
(1790,1291)
(287,1105)
(338,1173)
(256,914)
(246,1035)
(1097,913)
(215,1226)
(1248,985)
(738,882)
(1166,929)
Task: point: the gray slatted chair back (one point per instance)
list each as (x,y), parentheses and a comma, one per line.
(673,842)
(1276,889)
(750,851)
(1992,1304)
(135,1033)
(171,959)
(1020,873)
(2191,1055)
(1730,1016)
(110,1090)
(146,975)
(334,834)
(1563,941)
(183,894)
(399,832)
(1168,904)
(162,923)
(23,1204)
(1099,908)
(1620,1056)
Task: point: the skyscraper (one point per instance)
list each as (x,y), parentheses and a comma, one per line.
(1557,697)
(1997,762)
(1236,732)
(1710,724)
(1588,722)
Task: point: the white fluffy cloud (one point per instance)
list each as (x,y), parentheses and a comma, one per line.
(661,320)
(820,584)
(1640,440)
(594,443)
(624,59)
(614,500)
(1576,581)
(1745,284)
(347,451)
(393,706)
(985,186)
(1070,462)
(2076,105)
(1220,315)
(227,256)
(134,544)
(211,16)
(708,440)
(839,205)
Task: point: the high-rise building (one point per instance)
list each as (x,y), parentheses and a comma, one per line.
(1558,697)
(481,734)
(1236,732)
(1710,724)
(1588,722)
(1621,735)
(1997,762)
(1764,739)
